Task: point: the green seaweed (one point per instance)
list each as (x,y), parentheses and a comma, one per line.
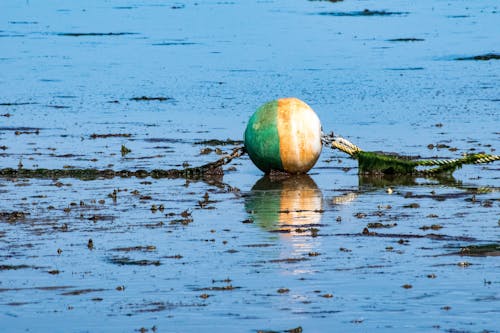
(378,163)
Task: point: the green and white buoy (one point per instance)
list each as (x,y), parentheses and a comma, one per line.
(284,135)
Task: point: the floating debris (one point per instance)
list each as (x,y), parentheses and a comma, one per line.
(13,267)
(16,104)
(124,150)
(57,106)
(94,34)
(12,217)
(147,248)
(112,135)
(288,260)
(431,227)
(176,256)
(174,43)
(206,151)
(484,57)
(481,250)
(128,261)
(217,142)
(412,205)
(406,40)
(404,237)
(37,131)
(365,12)
(464,264)
(147,98)
(81,292)
(223,288)
(377,225)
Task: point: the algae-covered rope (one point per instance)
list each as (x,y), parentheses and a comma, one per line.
(472,158)
(372,163)
(452,164)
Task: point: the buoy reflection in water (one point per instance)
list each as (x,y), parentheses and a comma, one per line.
(292,206)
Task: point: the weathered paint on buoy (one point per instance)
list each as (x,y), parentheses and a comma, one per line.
(284,135)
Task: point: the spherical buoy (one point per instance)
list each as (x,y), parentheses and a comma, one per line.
(284,135)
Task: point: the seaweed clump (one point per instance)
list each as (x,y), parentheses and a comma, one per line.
(378,163)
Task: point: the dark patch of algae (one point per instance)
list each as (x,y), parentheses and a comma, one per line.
(292,330)
(13,267)
(365,12)
(481,250)
(483,57)
(130,262)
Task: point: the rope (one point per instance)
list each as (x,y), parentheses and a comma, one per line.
(443,165)
(473,159)
(340,143)
(452,164)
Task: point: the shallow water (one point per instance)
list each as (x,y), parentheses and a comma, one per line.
(246,253)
